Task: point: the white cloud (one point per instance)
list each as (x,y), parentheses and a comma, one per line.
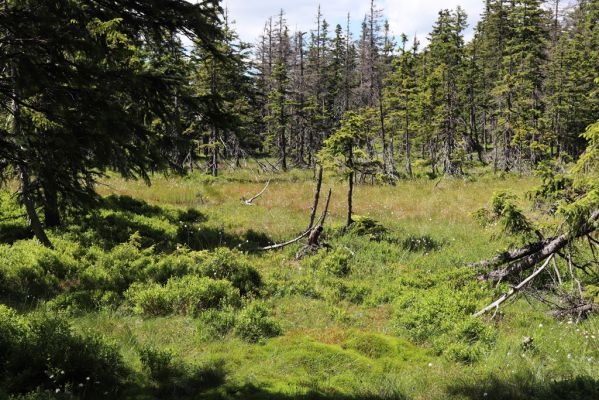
(405,16)
(417,17)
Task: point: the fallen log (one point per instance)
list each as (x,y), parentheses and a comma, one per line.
(553,246)
(511,255)
(284,244)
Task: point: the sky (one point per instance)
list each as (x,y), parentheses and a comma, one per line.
(405,16)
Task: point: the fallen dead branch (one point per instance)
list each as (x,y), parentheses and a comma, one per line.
(249,201)
(281,245)
(495,305)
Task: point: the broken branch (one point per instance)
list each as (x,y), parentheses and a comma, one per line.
(249,201)
(514,290)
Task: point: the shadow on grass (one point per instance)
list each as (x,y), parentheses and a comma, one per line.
(526,388)
(252,392)
(119,217)
(14,231)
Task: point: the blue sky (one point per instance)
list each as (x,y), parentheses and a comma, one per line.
(405,16)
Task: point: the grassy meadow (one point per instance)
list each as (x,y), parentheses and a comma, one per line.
(167,282)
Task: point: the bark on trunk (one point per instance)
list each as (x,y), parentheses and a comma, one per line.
(51,211)
(34,221)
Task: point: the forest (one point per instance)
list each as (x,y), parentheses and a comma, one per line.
(346,212)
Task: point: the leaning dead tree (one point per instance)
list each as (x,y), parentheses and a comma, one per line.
(249,201)
(313,233)
(513,263)
(528,256)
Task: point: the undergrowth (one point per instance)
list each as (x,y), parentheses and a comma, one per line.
(161,292)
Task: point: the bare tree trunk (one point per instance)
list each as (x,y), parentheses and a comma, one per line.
(350,190)
(316,198)
(214,161)
(214,135)
(407,138)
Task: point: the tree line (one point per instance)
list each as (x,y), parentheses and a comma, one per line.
(520,92)
(133,87)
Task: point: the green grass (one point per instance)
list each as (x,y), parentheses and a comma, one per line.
(365,319)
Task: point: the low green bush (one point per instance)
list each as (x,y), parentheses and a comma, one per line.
(255,323)
(170,265)
(173,378)
(188,295)
(215,324)
(366,226)
(419,243)
(332,263)
(441,317)
(41,352)
(227,264)
(31,271)
(337,263)
(354,292)
(301,286)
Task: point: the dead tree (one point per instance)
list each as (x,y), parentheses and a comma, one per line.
(316,198)
(527,257)
(313,233)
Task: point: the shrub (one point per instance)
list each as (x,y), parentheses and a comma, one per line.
(118,268)
(471,339)
(158,363)
(335,263)
(83,300)
(226,264)
(353,292)
(504,211)
(150,300)
(366,226)
(173,377)
(441,317)
(188,295)
(168,266)
(42,352)
(301,286)
(255,323)
(29,270)
(215,324)
(423,243)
